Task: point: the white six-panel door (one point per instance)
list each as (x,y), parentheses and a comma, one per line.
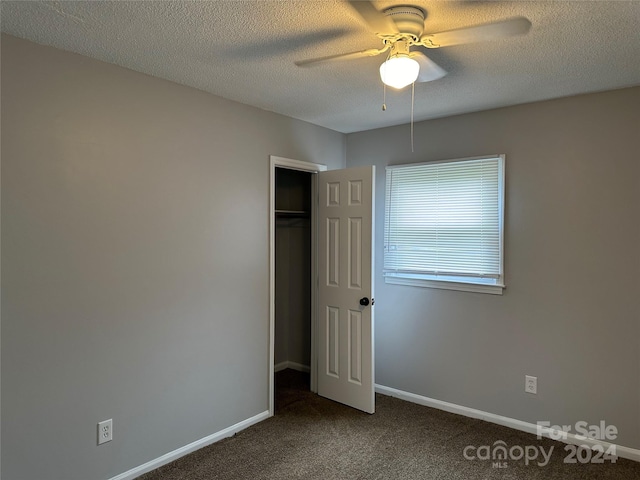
(345,267)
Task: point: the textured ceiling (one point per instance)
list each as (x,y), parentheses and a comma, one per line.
(245,51)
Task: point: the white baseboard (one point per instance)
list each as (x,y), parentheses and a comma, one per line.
(292,365)
(182,451)
(621,451)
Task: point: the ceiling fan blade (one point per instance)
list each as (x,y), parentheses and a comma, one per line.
(478,33)
(341,56)
(429,70)
(377,21)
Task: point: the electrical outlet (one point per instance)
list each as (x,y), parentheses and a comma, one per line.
(105,431)
(531,384)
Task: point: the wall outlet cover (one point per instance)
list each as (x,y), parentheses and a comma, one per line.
(105,431)
(531,384)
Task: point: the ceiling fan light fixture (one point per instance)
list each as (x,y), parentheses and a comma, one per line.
(399,71)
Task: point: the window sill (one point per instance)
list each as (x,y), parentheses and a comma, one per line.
(445,285)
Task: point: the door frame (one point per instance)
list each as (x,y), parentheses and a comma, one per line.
(281,162)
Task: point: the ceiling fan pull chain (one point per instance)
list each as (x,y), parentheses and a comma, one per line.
(384,85)
(384,97)
(413,89)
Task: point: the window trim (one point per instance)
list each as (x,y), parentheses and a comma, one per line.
(465,284)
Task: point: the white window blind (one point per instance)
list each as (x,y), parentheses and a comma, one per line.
(443,221)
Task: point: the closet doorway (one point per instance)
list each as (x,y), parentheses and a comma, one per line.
(321,260)
(293,268)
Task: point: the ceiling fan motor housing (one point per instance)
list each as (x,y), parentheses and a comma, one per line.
(408,19)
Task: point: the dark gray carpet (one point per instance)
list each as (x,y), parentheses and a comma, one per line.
(314,438)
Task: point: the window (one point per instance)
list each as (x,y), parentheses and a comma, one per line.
(444,223)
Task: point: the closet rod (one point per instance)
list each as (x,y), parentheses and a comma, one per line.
(292,213)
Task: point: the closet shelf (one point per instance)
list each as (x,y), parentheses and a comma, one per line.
(292,213)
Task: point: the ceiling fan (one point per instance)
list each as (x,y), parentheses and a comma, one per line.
(402,27)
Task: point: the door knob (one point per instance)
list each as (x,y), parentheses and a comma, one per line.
(364,301)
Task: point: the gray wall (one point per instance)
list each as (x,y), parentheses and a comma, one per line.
(571,312)
(134,261)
